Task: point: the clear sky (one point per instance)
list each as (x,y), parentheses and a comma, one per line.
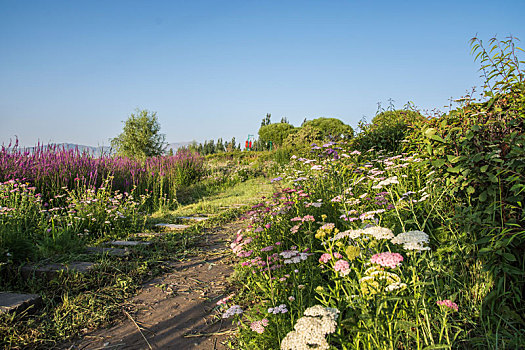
(73,71)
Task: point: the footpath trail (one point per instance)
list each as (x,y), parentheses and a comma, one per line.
(176,310)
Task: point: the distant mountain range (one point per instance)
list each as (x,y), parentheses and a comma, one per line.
(98,151)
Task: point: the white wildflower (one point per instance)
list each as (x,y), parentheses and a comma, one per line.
(379,232)
(311,329)
(412,240)
(233,310)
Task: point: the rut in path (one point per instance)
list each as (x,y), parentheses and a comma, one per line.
(175,310)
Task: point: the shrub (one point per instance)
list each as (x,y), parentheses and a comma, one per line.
(387,130)
(331,128)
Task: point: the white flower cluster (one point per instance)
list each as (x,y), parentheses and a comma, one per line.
(293,256)
(311,329)
(233,310)
(412,240)
(379,232)
(375,231)
(389,181)
(281,309)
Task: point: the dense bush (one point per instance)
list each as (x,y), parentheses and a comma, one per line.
(275,133)
(386,131)
(478,151)
(331,129)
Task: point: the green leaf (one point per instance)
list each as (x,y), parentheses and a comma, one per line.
(438,163)
(509,256)
(483,240)
(453,159)
(484,168)
(437,138)
(470,190)
(483,196)
(454,170)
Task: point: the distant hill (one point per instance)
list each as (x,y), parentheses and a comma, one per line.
(177,145)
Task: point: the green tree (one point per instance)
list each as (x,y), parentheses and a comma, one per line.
(266,120)
(141,136)
(387,130)
(331,128)
(303,137)
(275,133)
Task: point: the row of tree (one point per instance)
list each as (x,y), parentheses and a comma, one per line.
(141,136)
(211,147)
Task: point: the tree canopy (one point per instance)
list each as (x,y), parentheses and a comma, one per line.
(331,128)
(275,133)
(140,137)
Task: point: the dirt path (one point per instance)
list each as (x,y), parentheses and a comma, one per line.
(175,311)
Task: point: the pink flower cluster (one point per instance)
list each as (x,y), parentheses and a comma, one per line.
(239,243)
(258,326)
(342,266)
(387,259)
(448,303)
(326,257)
(303,219)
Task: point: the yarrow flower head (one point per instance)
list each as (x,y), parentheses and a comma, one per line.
(387,259)
(448,304)
(379,232)
(342,267)
(325,258)
(412,240)
(233,310)
(311,329)
(258,326)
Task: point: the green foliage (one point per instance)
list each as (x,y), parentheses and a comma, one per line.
(478,152)
(266,120)
(331,128)
(276,133)
(499,63)
(303,137)
(141,136)
(29,229)
(387,130)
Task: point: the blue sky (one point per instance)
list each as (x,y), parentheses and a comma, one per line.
(73,71)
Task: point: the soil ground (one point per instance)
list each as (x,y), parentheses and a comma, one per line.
(176,310)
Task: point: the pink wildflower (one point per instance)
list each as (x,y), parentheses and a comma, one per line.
(337,255)
(295,229)
(448,303)
(308,218)
(325,258)
(342,266)
(387,259)
(257,326)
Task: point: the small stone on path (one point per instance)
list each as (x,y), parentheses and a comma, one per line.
(173,226)
(50,271)
(108,251)
(194,218)
(16,302)
(129,243)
